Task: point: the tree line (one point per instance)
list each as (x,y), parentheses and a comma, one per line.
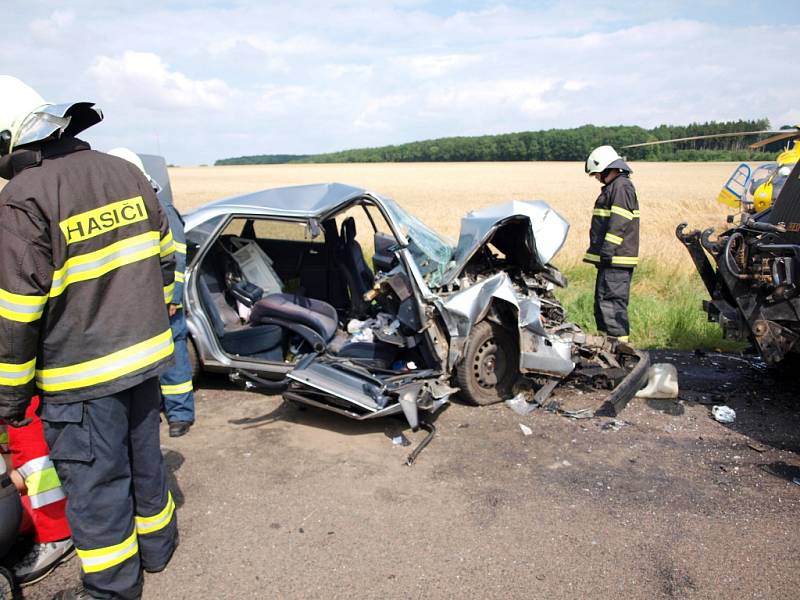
(553,145)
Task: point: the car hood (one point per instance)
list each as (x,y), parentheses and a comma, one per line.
(527,232)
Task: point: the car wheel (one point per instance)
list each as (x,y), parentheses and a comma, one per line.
(194,359)
(490,366)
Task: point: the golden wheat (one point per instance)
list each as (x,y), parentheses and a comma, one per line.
(440,193)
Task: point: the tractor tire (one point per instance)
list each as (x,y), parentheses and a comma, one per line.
(490,366)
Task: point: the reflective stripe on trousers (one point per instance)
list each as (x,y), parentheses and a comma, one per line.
(147,525)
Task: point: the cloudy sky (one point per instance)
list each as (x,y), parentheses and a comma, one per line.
(205,79)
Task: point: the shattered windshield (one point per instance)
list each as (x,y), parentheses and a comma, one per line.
(431,251)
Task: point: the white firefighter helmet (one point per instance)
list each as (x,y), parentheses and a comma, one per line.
(605,157)
(25,117)
(133,158)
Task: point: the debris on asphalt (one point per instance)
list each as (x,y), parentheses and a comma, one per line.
(521,403)
(723,414)
(581,413)
(756,447)
(525,429)
(662,382)
(613,425)
(401,440)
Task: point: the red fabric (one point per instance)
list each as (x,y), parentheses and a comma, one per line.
(48,523)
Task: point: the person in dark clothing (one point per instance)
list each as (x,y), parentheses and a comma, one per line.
(86,270)
(613,240)
(176,382)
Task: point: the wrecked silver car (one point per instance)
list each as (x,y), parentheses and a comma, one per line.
(280,296)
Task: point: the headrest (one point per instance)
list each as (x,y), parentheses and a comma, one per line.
(348,229)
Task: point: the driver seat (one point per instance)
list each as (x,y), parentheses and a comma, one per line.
(357,274)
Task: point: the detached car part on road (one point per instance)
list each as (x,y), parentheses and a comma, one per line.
(754,279)
(280,297)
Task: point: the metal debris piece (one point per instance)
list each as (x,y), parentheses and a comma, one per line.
(431,429)
(525,429)
(756,447)
(581,413)
(401,440)
(520,404)
(613,425)
(723,414)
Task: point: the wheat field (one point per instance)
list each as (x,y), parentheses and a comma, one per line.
(440,193)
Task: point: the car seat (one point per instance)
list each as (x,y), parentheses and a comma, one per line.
(316,322)
(264,341)
(357,273)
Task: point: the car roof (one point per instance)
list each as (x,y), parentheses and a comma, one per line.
(295,201)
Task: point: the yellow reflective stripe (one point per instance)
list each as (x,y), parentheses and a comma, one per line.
(42,481)
(178,388)
(591,257)
(168,291)
(145,525)
(17,307)
(180,248)
(618,210)
(614,239)
(623,338)
(601,212)
(636,214)
(167,244)
(106,368)
(94,222)
(13,374)
(96,264)
(100,559)
(180,277)
(3,436)
(625,260)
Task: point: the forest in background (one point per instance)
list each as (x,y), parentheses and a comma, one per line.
(553,144)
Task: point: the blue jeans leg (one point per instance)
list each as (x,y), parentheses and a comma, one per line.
(176,382)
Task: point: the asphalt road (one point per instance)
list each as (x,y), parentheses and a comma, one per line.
(277,502)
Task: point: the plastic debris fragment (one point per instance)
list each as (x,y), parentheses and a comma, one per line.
(723,414)
(662,382)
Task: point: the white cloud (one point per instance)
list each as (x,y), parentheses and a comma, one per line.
(50,29)
(317,75)
(144,80)
(573,85)
(435,66)
(492,96)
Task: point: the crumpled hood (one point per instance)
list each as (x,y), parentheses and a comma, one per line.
(528,232)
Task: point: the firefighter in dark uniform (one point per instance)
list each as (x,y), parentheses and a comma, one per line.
(613,240)
(86,267)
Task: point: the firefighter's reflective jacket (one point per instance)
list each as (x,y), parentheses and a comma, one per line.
(86,265)
(614,235)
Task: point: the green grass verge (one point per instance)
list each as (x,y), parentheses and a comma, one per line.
(665,308)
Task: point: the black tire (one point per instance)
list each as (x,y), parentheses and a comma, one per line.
(490,366)
(194,359)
